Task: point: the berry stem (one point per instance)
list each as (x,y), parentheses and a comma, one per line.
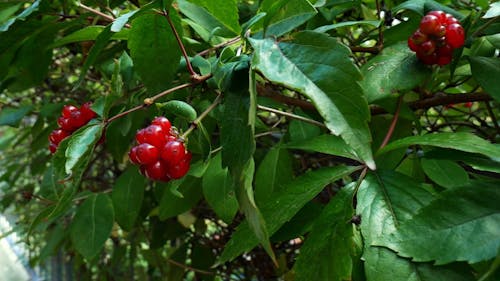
(291,115)
(194,75)
(218,46)
(195,122)
(151,100)
(393,123)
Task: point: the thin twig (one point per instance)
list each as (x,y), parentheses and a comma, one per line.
(291,115)
(218,46)
(493,117)
(99,13)
(194,75)
(197,121)
(184,266)
(394,121)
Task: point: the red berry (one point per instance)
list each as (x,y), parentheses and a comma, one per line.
(132,155)
(427,48)
(468,104)
(443,60)
(58,135)
(455,35)
(431,25)
(173,152)
(154,135)
(87,112)
(52,147)
(450,19)
(418,37)
(440,15)
(163,122)
(180,169)
(157,171)
(412,45)
(77,119)
(428,59)
(146,153)
(445,50)
(140,137)
(65,124)
(67,109)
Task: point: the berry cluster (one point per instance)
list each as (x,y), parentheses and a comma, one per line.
(439,33)
(161,155)
(72,118)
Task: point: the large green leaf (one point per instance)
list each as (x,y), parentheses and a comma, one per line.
(282,206)
(464,222)
(215,23)
(22,16)
(486,72)
(327,252)
(128,192)
(12,116)
(319,67)
(218,190)
(80,146)
(444,172)
(92,225)
(225,11)
(395,69)
(328,144)
(459,141)
(154,50)
(284,15)
(172,205)
(273,173)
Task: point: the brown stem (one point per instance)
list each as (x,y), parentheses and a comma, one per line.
(194,75)
(197,121)
(493,117)
(393,124)
(291,115)
(187,267)
(371,50)
(218,46)
(99,13)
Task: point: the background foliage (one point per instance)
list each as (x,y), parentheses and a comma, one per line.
(322,148)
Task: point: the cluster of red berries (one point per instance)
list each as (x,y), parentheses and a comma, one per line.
(439,33)
(160,153)
(72,118)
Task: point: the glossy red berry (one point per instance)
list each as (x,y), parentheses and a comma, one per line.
(65,124)
(419,37)
(58,135)
(146,153)
(52,147)
(412,45)
(132,155)
(77,119)
(431,25)
(157,171)
(427,48)
(180,169)
(450,19)
(173,152)
(87,112)
(163,122)
(455,35)
(67,110)
(154,135)
(440,15)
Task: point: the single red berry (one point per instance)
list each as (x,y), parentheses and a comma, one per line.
(440,15)
(154,135)
(431,25)
(412,45)
(173,152)
(455,35)
(419,37)
(163,122)
(450,19)
(67,109)
(157,171)
(58,135)
(87,112)
(132,155)
(444,60)
(77,119)
(140,136)
(65,124)
(428,59)
(146,153)
(180,169)
(427,48)
(52,147)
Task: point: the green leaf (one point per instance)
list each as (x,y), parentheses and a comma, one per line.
(300,130)
(11,116)
(284,16)
(22,16)
(171,205)
(80,147)
(319,67)
(215,25)
(486,72)
(459,141)
(179,108)
(464,222)
(328,144)
(328,250)
(325,28)
(493,11)
(85,34)
(446,173)
(154,50)
(274,172)
(282,206)
(54,239)
(100,43)
(225,11)
(128,192)
(377,259)
(122,20)
(395,69)
(218,190)
(92,225)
